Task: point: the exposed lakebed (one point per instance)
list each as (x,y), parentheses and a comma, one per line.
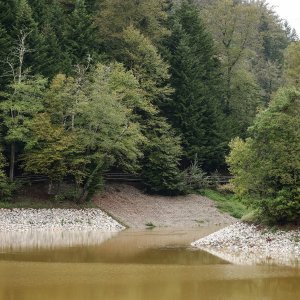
(135,265)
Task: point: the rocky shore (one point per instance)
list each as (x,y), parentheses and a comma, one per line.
(57,219)
(246,244)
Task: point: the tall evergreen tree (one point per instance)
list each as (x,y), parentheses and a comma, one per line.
(7,14)
(80,36)
(194,111)
(7,22)
(5,46)
(25,25)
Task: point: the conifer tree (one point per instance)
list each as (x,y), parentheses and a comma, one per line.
(80,37)
(194,111)
(5,45)
(7,14)
(25,25)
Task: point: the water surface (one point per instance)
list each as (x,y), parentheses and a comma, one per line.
(131,265)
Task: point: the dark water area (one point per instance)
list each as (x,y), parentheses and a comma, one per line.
(131,265)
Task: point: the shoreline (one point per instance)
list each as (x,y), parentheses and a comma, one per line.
(246,244)
(24,219)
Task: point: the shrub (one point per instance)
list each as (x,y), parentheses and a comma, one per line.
(6,188)
(195,179)
(283,209)
(267,165)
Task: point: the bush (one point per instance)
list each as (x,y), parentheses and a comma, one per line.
(70,195)
(283,209)
(6,188)
(267,165)
(195,179)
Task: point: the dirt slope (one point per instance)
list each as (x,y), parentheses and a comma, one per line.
(135,209)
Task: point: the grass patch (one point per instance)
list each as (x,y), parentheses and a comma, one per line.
(199,221)
(150,225)
(227,203)
(38,204)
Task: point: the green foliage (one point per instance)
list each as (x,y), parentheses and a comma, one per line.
(150,225)
(160,165)
(283,209)
(267,165)
(142,57)
(251,40)
(6,188)
(33,203)
(195,179)
(246,97)
(5,45)
(228,203)
(195,108)
(148,16)
(22,101)
(83,46)
(89,125)
(177,82)
(47,148)
(292,65)
(25,25)
(270,59)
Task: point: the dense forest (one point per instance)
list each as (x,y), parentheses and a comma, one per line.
(170,90)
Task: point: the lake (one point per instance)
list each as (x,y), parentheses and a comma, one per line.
(131,265)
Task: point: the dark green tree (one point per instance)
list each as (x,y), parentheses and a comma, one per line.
(7,14)
(161,161)
(80,37)
(5,46)
(26,26)
(195,109)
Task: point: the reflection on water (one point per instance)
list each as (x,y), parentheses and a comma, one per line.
(51,239)
(252,258)
(137,265)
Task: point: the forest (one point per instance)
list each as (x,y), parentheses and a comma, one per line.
(169,90)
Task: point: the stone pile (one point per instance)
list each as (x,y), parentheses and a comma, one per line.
(246,244)
(57,219)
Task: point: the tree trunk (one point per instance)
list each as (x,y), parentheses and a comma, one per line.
(50,187)
(12,161)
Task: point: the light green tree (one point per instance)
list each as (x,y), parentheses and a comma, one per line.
(6,188)
(267,165)
(142,57)
(99,110)
(21,102)
(149,16)
(292,65)
(48,149)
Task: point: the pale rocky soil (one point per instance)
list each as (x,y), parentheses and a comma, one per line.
(56,219)
(247,244)
(134,208)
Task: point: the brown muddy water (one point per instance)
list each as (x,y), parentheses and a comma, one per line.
(131,265)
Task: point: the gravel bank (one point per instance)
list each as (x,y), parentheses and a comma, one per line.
(134,208)
(56,219)
(246,244)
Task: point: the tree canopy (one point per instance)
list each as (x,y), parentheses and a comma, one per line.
(157,88)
